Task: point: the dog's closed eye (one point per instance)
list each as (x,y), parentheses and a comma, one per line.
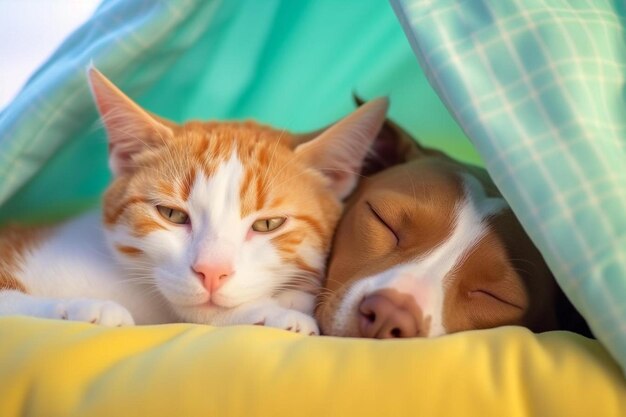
(380,218)
(481,294)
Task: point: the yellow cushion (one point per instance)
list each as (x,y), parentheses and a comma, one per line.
(54,368)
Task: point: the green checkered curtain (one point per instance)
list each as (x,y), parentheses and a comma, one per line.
(539,88)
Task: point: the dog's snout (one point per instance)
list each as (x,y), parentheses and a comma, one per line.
(389,315)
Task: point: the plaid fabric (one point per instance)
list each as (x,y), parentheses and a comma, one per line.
(538,86)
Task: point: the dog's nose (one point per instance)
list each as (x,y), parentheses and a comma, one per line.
(386,316)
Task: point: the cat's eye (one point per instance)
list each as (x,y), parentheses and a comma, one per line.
(173,215)
(268,225)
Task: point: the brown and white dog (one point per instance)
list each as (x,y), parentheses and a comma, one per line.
(427,247)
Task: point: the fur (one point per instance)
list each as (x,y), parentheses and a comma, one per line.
(131,263)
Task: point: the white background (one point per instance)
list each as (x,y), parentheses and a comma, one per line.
(30,31)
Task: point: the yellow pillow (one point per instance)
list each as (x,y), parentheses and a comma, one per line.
(55,368)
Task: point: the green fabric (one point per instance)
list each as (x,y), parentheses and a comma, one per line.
(293,64)
(538,85)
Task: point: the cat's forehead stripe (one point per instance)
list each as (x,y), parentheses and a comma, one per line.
(252,188)
(261,192)
(187,183)
(261,184)
(263,153)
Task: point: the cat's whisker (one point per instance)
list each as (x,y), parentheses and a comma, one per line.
(297,275)
(296,278)
(150,287)
(335,281)
(311,283)
(143,274)
(325,290)
(323,296)
(295,285)
(139,266)
(139,273)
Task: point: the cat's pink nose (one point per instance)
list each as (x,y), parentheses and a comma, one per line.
(213,275)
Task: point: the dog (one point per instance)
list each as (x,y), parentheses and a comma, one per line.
(427,246)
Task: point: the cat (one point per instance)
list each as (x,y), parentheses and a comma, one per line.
(208,222)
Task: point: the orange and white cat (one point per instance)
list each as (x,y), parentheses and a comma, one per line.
(209,222)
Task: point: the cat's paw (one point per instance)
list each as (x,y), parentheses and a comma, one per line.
(103,312)
(291,320)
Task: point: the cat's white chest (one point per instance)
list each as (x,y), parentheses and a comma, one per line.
(75,261)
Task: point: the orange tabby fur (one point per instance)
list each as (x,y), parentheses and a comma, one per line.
(15,242)
(210,222)
(270,174)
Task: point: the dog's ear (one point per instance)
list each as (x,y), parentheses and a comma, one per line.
(392,146)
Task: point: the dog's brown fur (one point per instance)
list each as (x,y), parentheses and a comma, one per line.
(411,185)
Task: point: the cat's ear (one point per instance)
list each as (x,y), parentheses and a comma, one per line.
(339,151)
(130,129)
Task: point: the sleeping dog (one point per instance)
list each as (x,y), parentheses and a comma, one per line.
(427,246)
